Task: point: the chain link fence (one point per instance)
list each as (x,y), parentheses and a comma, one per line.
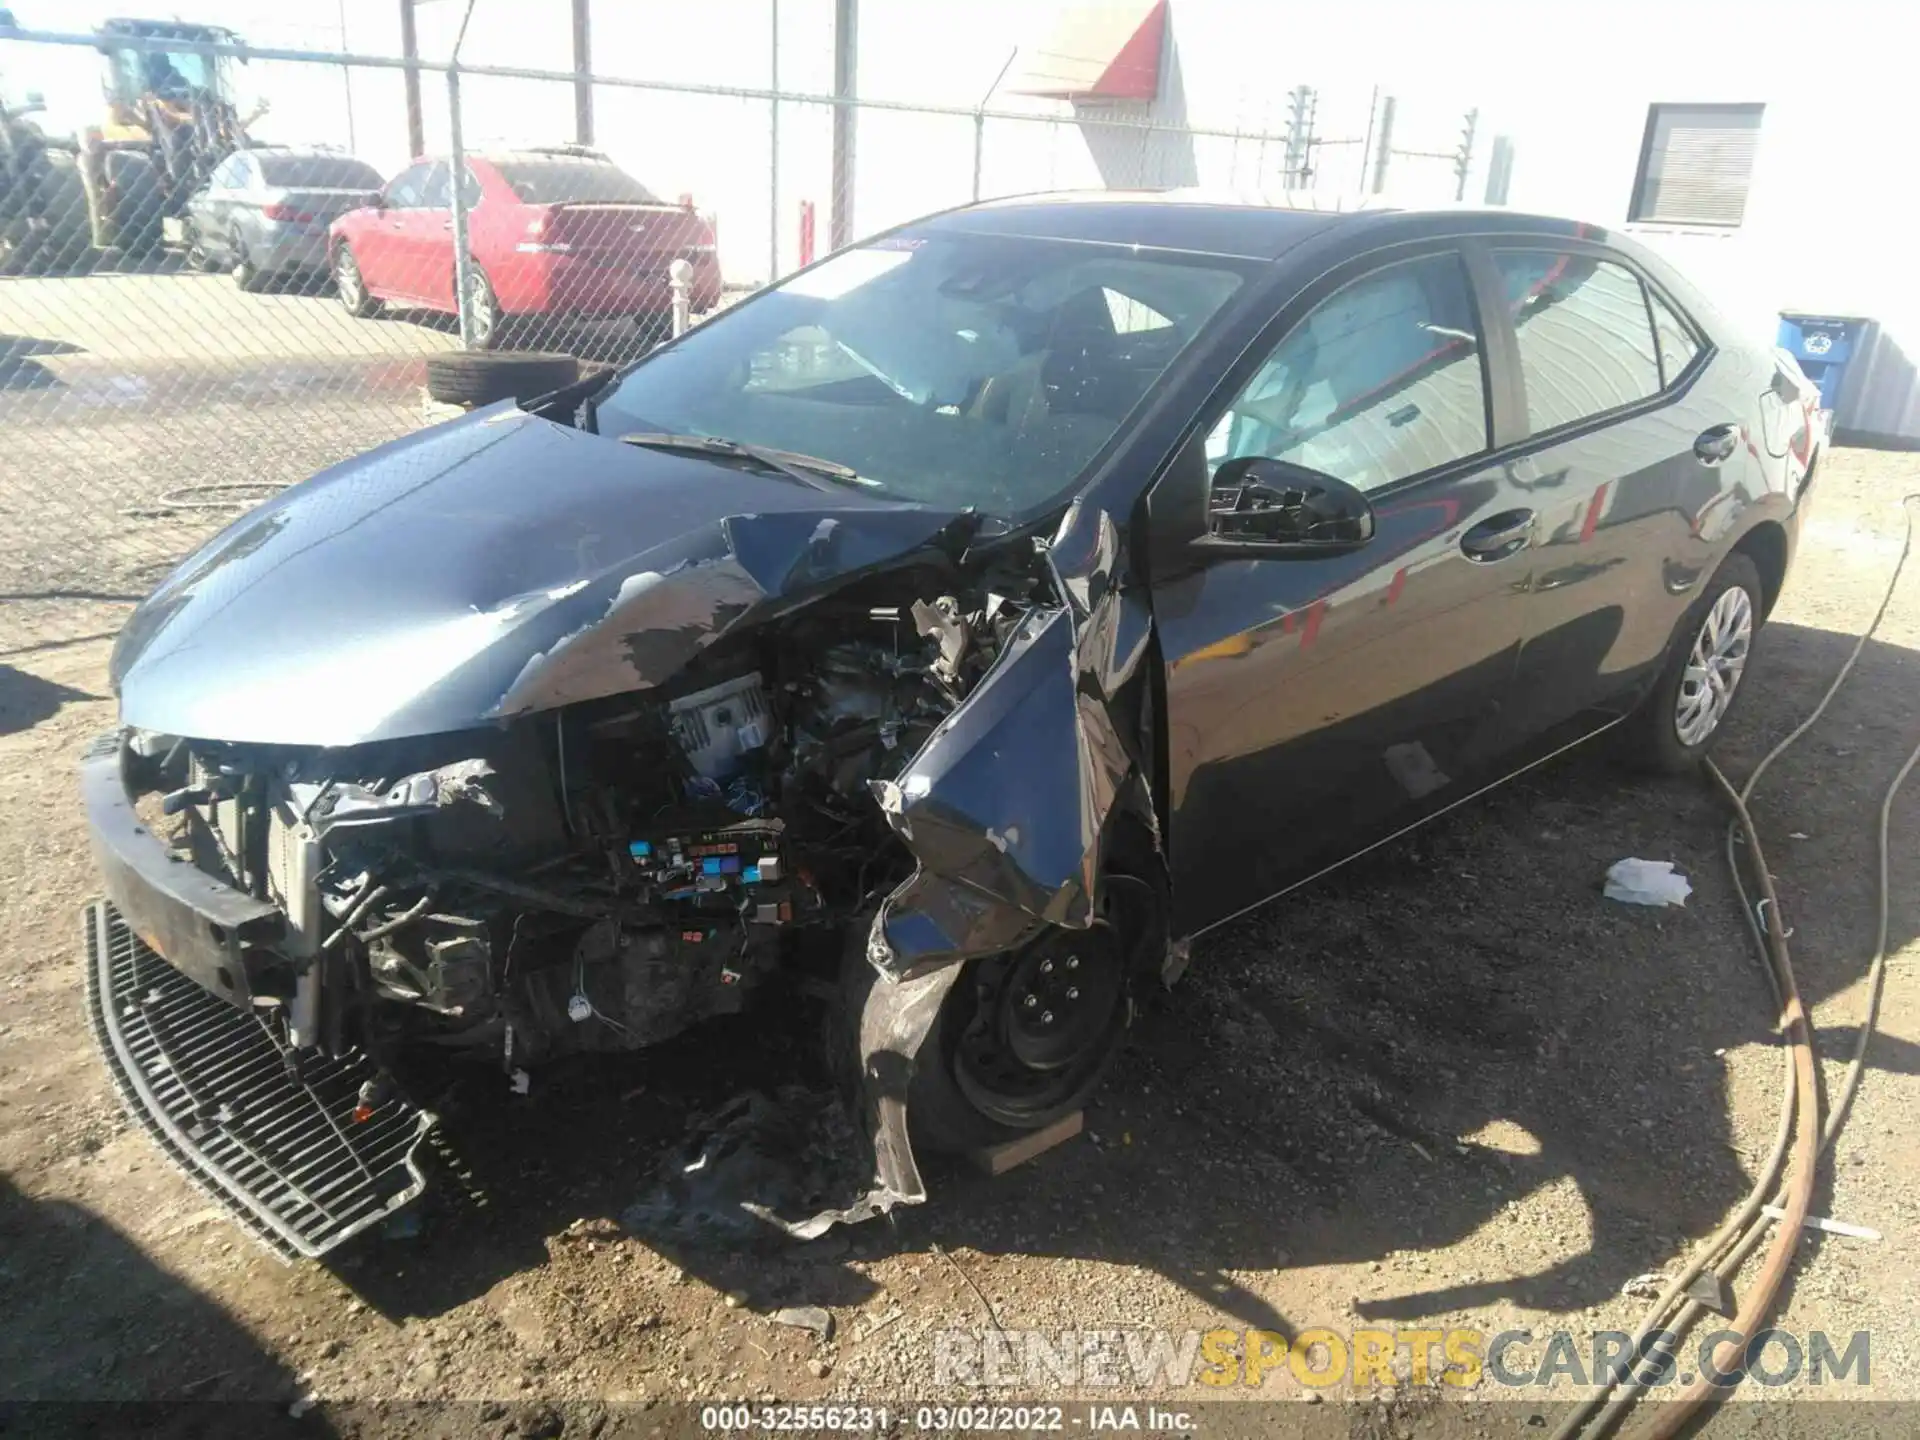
(199,305)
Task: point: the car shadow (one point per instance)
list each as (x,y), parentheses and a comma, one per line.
(1370,1069)
(20,370)
(27,699)
(129,1348)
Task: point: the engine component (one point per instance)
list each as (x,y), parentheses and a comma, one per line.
(444,963)
(630,986)
(718,726)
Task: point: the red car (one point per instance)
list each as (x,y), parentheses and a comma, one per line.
(561,232)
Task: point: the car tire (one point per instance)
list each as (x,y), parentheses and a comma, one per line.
(247,275)
(488,322)
(1704,675)
(197,258)
(478,377)
(351,286)
(984,1075)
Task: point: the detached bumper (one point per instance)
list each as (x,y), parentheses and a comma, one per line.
(205,929)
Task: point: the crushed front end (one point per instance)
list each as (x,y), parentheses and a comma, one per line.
(595,877)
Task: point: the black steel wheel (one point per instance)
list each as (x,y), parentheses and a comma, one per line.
(1026,1037)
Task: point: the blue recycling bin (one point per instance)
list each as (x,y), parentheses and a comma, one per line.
(1824,344)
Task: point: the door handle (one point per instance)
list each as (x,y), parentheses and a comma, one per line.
(1499,536)
(1716,443)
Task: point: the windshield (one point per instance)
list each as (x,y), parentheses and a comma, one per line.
(579,182)
(960,370)
(319,172)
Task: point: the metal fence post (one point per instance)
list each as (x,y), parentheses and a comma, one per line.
(457,166)
(1384,155)
(1463,158)
(980,121)
(773,152)
(680,283)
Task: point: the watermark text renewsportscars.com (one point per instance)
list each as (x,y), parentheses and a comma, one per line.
(1035,1361)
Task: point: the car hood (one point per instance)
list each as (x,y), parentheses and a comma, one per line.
(493,566)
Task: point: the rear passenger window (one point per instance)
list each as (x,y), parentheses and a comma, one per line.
(1381,381)
(1586,343)
(1676,342)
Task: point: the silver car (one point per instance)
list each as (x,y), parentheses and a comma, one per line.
(264,212)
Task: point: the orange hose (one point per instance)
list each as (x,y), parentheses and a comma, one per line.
(1668,1420)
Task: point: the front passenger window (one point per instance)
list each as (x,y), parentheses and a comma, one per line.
(1383,380)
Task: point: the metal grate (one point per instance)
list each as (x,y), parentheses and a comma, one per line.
(215,1090)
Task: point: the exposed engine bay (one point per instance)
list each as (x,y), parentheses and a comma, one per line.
(603,876)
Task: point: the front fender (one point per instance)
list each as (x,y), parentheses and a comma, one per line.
(1005,805)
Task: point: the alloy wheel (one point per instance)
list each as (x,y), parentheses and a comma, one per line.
(486,314)
(346,280)
(1714,666)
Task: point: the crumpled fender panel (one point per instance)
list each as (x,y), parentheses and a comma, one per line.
(1005,805)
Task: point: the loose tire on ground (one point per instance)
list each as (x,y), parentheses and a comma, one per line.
(1650,738)
(468,377)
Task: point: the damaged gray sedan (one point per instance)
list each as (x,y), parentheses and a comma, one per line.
(956,627)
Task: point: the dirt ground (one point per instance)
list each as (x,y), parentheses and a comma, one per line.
(1450,1085)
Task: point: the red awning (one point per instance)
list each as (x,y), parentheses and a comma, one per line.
(1096,50)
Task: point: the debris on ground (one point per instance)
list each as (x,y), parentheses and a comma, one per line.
(1647,882)
(754,1169)
(806,1317)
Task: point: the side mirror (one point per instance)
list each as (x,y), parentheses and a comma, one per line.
(1260,499)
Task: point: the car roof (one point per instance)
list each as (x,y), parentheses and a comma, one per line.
(1248,226)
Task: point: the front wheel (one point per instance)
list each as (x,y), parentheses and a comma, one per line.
(247,275)
(1702,678)
(1025,1038)
(351,286)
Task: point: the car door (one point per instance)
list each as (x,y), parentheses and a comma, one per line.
(431,240)
(1315,702)
(1643,452)
(381,249)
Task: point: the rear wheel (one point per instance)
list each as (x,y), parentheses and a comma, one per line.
(1701,680)
(485,309)
(351,286)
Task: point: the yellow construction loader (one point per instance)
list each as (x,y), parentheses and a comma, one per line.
(171,117)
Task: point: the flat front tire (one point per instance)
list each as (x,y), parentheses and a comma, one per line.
(1024,1039)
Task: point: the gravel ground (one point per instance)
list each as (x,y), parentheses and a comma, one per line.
(1448,1086)
(144,411)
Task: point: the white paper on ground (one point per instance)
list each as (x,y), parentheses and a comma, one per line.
(1647,882)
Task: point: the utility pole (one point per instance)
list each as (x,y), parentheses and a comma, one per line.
(1384,155)
(1296,172)
(846,52)
(1499,170)
(1463,158)
(582,67)
(410,50)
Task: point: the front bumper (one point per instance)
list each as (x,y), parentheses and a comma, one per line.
(283,1141)
(204,928)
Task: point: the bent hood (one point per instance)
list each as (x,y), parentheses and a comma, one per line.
(494,566)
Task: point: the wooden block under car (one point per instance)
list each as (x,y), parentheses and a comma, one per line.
(998,1159)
